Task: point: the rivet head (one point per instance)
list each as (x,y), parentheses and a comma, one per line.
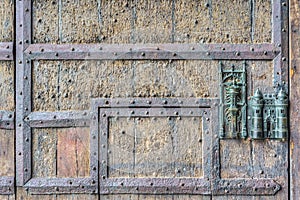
(142,54)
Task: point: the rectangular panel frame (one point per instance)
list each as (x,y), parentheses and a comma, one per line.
(103,109)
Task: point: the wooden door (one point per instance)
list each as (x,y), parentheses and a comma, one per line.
(147,99)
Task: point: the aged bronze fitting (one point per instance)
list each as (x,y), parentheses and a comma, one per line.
(233,101)
(269,115)
(268,112)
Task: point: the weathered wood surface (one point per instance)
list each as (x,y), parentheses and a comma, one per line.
(256,159)
(69,85)
(155,147)
(294,98)
(7,149)
(7,85)
(61,152)
(151,21)
(6,20)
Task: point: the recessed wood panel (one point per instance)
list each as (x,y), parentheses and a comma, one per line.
(155,147)
(61,152)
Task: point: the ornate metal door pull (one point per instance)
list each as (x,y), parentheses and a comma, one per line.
(269,115)
(233,102)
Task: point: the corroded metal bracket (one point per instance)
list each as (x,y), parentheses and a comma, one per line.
(233,101)
(7,185)
(246,187)
(269,115)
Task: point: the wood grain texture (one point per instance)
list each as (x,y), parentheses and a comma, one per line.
(73,152)
(153,21)
(79,21)
(7,197)
(6,20)
(7,86)
(22,194)
(294,98)
(44,142)
(69,85)
(154,197)
(7,152)
(61,152)
(230,26)
(45,24)
(96,21)
(155,147)
(261,21)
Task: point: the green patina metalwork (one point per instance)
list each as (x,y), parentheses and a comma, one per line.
(233,108)
(269,115)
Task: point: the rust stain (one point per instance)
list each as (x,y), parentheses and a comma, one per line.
(292,72)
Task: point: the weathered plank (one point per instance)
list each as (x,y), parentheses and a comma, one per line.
(22,194)
(79,21)
(45,86)
(7,153)
(73,152)
(45,21)
(44,152)
(155,147)
(53,158)
(235,162)
(228,25)
(192,22)
(116,21)
(261,21)
(74,83)
(6,20)
(151,22)
(294,98)
(154,197)
(7,85)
